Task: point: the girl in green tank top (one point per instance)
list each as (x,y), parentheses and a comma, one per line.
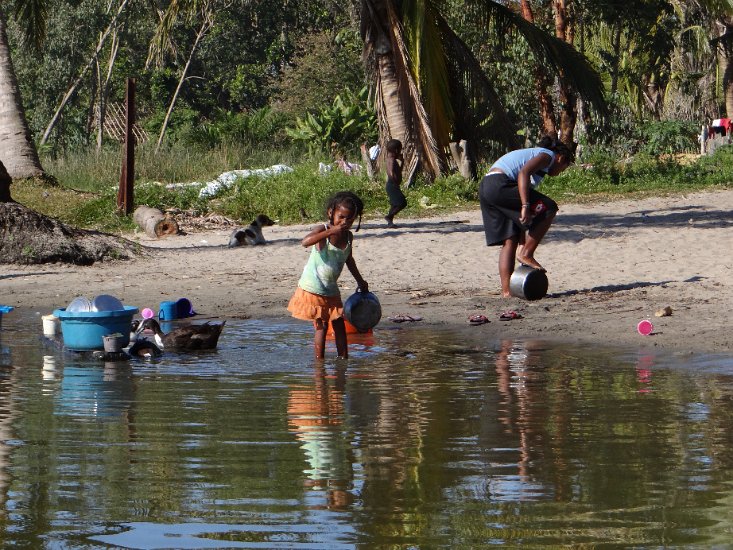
(317,297)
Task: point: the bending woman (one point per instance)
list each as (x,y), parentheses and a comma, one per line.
(514,212)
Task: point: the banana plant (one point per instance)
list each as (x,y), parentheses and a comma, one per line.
(347,121)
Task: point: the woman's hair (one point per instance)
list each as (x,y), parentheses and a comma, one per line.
(393,145)
(557,147)
(349,200)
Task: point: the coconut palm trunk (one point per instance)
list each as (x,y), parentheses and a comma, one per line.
(725,61)
(390,110)
(17,151)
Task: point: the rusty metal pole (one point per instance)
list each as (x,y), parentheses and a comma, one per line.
(125,195)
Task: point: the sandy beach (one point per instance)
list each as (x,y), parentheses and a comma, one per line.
(609,265)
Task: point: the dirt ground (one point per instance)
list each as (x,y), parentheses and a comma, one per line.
(609,266)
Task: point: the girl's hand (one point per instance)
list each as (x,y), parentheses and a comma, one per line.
(363,286)
(341,226)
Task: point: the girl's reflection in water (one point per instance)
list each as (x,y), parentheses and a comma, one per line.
(316,417)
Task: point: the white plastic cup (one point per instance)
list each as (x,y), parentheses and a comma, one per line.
(50,322)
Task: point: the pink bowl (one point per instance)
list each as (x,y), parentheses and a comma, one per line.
(645,327)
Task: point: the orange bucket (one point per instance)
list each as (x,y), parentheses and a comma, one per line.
(350,329)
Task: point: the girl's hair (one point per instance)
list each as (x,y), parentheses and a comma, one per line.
(392,145)
(349,200)
(557,147)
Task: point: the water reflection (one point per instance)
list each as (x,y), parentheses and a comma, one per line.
(521,387)
(96,389)
(8,382)
(644,372)
(423,438)
(316,417)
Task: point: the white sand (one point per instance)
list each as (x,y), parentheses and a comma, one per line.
(609,265)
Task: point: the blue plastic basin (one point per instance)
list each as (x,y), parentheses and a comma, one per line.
(85,330)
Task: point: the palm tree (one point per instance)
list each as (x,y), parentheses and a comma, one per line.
(722,11)
(430,87)
(17,151)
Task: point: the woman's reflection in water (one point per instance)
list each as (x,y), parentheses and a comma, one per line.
(521,382)
(316,417)
(533,396)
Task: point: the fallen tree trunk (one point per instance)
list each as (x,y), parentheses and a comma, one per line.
(154,222)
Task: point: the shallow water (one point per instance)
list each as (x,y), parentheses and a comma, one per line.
(424,438)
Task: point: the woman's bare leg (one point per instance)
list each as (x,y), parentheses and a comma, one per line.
(532,241)
(506,263)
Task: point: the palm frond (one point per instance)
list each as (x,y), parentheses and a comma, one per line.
(429,65)
(720,7)
(558,56)
(185,10)
(161,41)
(481,115)
(431,155)
(32,16)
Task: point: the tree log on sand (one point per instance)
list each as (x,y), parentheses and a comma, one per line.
(154,222)
(27,237)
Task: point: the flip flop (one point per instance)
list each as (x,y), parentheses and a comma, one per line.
(538,267)
(509,315)
(478,320)
(404,318)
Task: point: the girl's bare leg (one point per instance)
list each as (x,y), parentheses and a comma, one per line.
(320,338)
(506,264)
(532,241)
(339,335)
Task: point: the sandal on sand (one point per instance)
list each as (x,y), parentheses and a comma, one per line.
(478,319)
(509,315)
(404,318)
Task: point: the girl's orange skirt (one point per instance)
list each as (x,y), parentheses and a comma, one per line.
(307,306)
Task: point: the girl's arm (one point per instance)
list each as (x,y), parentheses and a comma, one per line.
(319,234)
(361,283)
(533,165)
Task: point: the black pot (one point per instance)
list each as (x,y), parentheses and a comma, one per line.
(362,309)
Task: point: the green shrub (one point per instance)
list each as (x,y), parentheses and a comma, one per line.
(261,126)
(669,137)
(299,197)
(287,197)
(348,121)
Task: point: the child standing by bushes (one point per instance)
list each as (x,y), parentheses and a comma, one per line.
(397,199)
(317,297)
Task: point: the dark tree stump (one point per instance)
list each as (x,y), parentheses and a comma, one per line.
(27,237)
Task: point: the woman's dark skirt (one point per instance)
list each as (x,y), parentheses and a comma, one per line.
(501,207)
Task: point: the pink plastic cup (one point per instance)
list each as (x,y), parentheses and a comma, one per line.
(148,313)
(645,327)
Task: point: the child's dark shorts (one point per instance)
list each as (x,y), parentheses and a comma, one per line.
(396,196)
(501,207)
